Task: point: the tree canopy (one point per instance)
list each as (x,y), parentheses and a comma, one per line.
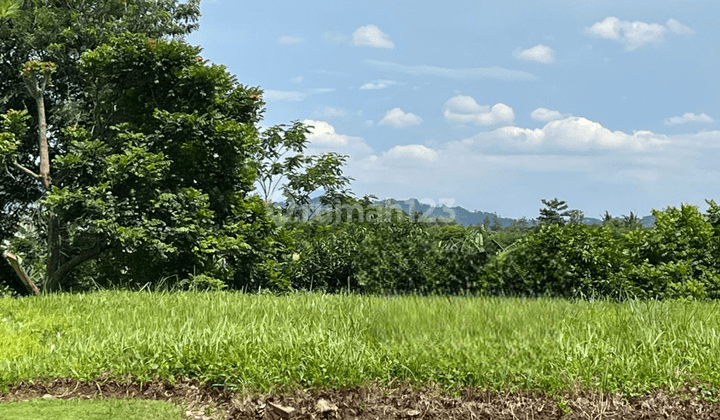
(152,153)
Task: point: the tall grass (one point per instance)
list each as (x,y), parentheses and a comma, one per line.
(264,342)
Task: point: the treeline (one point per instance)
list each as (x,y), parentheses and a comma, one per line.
(558,257)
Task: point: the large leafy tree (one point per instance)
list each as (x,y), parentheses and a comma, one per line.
(157,180)
(151,148)
(57,32)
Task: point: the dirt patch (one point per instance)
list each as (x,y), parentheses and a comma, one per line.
(375,402)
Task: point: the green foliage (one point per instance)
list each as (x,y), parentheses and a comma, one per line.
(554,212)
(326,256)
(675,259)
(39,38)
(574,260)
(9,9)
(13,126)
(281,157)
(399,256)
(161,174)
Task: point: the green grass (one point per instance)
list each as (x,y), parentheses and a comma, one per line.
(90,410)
(262,342)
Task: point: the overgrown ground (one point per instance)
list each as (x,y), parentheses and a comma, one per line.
(363,354)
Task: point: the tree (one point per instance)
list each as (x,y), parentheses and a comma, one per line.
(58,32)
(554,213)
(162,172)
(281,157)
(576,216)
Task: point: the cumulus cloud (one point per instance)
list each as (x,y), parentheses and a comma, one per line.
(297,79)
(398,118)
(633,35)
(324,137)
(540,53)
(572,134)
(477,73)
(371,36)
(689,117)
(413,152)
(465,110)
(378,84)
(290,40)
(544,114)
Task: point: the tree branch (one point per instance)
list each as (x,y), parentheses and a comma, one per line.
(62,271)
(26,170)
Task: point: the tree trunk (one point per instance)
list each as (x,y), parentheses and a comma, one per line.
(53,260)
(44,149)
(37,91)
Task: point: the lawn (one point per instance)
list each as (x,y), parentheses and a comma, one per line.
(264,342)
(90,410)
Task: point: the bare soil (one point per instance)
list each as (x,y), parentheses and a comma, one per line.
(376,402)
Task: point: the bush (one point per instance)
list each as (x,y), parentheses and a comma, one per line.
(408,257)
(574,260)
(675,259)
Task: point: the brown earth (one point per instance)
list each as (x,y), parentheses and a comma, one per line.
(376,402)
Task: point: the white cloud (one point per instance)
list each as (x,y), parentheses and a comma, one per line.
(323,137)
(633,35)
(414,152)
(577,133)
(477,73)
(634,169)
(572,134)
(540,53)
(371,36)
(297,79)
(398,118)
(290,40)
(544,114)
(283,95)
(678,28)
(465,110)
(378,84)
(689,117)
(328,111)
(321,90)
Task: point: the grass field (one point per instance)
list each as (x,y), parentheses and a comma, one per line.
(262,342)
(90,410)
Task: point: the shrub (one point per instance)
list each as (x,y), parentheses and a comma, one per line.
(574,260)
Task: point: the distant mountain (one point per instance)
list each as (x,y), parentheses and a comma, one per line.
(459,214)
(463,216)
(466,217)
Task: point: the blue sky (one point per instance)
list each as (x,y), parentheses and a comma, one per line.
(609,105)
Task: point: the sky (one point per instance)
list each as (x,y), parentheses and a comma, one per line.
(608,105)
